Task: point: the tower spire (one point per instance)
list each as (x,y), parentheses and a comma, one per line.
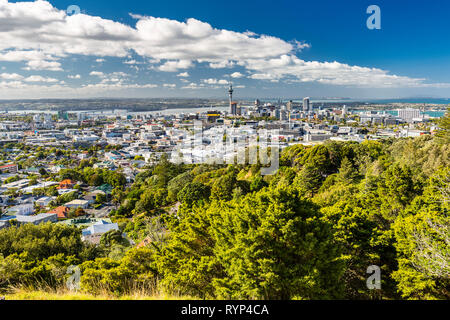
(230,92)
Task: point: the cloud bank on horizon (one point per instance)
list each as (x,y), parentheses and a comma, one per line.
(39,44)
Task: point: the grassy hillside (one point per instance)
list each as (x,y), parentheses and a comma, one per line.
(43,295)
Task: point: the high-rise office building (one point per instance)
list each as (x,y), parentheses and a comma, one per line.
(234,110)
(289,105)
(306,104)
(344,111)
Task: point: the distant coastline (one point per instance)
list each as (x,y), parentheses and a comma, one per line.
(192,105)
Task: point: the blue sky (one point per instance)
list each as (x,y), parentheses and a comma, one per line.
(286,49)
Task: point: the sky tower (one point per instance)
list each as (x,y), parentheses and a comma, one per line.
(233,105)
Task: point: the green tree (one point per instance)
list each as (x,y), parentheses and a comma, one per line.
(187,262)
(41,242)
(274,245)
(194,192)
(422,236)
(165,171)
(177,184)
(396,190)
(113,237)
(347,172)
(96,180)
(222,188)
(309,180)
(100,198)
(257,183)
(444,125)
(136,271)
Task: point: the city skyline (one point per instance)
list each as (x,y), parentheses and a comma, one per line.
(126,50)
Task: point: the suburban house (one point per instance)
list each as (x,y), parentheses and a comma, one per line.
(33,170)
(94,233)
(22,210)
(9,168)
(45,201)
(37,219)
(64,191)
(92,196)
(67,184)
(56,169)
(106,188)
(61,212)
(100,227)
(83,204)
(17,184)
(39,186)
(25,199)
(105,165)
(4,200)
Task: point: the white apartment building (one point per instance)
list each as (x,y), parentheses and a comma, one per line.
(409,115)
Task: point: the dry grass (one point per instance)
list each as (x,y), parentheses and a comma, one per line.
(62,293)
(21,294)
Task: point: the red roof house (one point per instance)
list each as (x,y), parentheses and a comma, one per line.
(61,212)
(67,184)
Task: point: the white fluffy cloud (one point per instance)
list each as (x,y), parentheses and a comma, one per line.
(40,79)
(35,60)
(43,65)
(11,76)
(194,86)
(175,65)
(214,81)
(40,36)
(334,73)
(97,74)
(118,86)
(222,64)
(38,27)
(236,75)
(60,90)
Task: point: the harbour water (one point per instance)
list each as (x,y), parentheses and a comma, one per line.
(441,103)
